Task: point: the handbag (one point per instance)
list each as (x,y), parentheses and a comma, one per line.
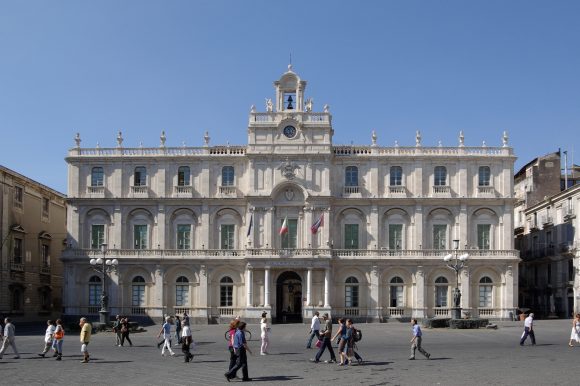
(318,343)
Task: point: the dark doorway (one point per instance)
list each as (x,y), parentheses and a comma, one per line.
(289,298)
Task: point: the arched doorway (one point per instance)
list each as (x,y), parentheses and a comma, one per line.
(289,298)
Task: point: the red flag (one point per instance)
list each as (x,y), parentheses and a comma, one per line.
(284,228)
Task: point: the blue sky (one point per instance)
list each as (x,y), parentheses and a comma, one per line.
(96,67)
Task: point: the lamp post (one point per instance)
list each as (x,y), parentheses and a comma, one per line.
(104,266)
(457,266)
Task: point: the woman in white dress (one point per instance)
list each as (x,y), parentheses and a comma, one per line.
(575,334)
(264,334)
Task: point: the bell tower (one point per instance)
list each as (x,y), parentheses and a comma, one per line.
(290,92)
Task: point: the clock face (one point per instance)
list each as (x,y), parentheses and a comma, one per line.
(290,131)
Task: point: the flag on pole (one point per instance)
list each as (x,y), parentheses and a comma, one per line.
(250,226)
(317,224)
(284,228)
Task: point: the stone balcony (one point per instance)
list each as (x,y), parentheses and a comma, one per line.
(182,191)
(485,192)
(96,191)
(139,191)
(397,191)
(441,191)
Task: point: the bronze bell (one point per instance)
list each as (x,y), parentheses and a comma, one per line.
(290,100)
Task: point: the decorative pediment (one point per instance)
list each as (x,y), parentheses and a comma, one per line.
(45,235)
(17,228)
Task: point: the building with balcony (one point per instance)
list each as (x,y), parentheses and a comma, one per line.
(291,223)
(32,232)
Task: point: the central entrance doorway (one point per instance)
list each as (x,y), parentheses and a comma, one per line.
(289,298)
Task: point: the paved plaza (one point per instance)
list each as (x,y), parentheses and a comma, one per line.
(459,357)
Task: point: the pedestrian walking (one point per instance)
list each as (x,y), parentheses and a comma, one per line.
(575,334)
(9,338)
(48,337)
(341,333)
(86,330)
(117,330)
(231,334)
(186,341)
(417,340)
(356,335)
(326,337)
(125,331)
(314,329)
(528,330)
(240,348)
(264,334)
(59,339)
(178,329)
(166,331)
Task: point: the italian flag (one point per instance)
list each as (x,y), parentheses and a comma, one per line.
(284,228)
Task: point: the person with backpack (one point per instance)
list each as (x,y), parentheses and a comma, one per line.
(59,339)
(357,337)
(125,330)
(117,330)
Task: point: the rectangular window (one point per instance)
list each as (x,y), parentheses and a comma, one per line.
(94,295)
(483,236)
(181,295)
(351,296)
(226,296)
(18,196)
(227,236)
(440,176)
(140,176)
(396,236)
(290,238)
(138,295)
(396,296)
(17,257)
(183,236)
(97,235)
(228,176)
(45,255)
(45,207)
(140,236)
(485,296)
(97,175)
(441,296)
(484,176)
(350,236)
(396,178)
(439,236)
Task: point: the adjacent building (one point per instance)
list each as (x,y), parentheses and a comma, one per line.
(546,233)
(32,231)
(291,223)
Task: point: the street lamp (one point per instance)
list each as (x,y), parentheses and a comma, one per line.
(457,266)
(104,266)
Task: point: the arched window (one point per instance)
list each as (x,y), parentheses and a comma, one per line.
(97,176)
(441,291)
(228,176)
(440,176)
(351,176)
(396,176)
(226,292)
(138,292)
(182,292)
(397,290)
(95,288)
(351,292)
(183,176)
(485,292)
(484,176)
(140,177)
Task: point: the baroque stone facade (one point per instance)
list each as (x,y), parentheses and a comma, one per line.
(32,231)
(292,223)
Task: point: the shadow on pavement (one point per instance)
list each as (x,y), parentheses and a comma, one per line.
(99,361)
(373,363)
(439,359)
(276,378)
(217,361)
(286,353)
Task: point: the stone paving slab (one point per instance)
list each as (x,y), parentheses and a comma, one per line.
(459,357)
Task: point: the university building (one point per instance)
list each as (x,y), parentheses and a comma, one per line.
(291,223)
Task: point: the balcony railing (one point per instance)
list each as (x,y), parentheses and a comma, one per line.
(487,312)
(349,190)
(485,191)
(568,213)
(45,269)
(397,191)
(138,311)
(441,311)
(17,266)
(96,191)
(182,310)
(396,311)
(441,190)
(229,191)
(93,310)
(182,191)
(547,220)
(226,311)
(139,191)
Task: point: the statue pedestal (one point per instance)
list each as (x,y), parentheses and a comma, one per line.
(456,313)
(104,317)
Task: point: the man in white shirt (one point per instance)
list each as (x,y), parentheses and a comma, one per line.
(314,329)
(528,330)
(8,340)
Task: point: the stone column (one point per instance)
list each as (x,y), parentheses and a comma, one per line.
(375,305)
(158,301)
(327,288)
(249,286)
(267,287)
(160,228)
(420,303)
(309,288)
(465,278)
(116,233)
(203,290)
